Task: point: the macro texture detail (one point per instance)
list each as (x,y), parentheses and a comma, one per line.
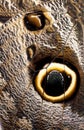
(41,65)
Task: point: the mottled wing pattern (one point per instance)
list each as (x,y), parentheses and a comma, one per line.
(34,36)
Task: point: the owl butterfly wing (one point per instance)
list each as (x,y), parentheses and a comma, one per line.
(12,54)
(56,37)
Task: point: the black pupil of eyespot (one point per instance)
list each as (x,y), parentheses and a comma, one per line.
(55,83)
(31,25)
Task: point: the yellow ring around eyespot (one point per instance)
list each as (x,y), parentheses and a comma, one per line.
(61,68)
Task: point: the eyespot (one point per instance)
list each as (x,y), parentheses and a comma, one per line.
(31,51)
(56,82)
(34,21)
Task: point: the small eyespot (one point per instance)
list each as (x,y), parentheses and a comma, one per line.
(34,21)
(31,51)
(56,83)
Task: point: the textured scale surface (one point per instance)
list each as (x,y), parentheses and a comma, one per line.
(21,106)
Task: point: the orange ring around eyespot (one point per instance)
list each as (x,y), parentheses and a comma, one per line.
(61,68)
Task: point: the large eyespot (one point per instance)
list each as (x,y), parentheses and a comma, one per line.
(34,21)
(56,83)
